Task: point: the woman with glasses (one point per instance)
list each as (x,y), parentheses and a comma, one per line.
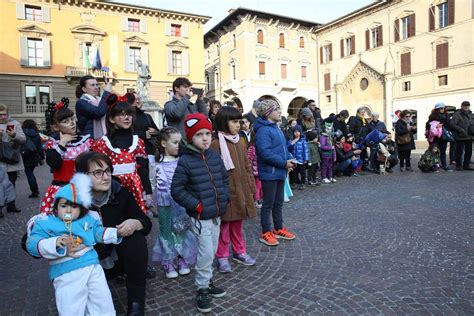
(126,150)
(117,207)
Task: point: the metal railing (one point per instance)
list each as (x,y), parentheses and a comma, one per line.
(82,71)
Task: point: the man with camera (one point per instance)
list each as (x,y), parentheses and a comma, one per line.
(180,106)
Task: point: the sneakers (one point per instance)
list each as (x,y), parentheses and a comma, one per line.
(258,204)
(223,265)
(333,180)
(269,239)
(284,234)
(326,181)
(203,301)
(170,270)
(301,187)
(215,291)
(183,267)
(244,259)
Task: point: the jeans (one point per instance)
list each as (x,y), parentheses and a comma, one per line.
(466,146)
(31,179)
(343,165)
(272,207)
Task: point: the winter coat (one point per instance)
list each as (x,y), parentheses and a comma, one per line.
(341,126)
(374,137)
(7,190)
(272,153)
(357,128)
(299,150)
(401,128)
(19,140)
(379,126)
(241,183)
(86,113)
(32,159)
(314,156)
(177,109)
(143,121)
(327,147)
(460,123)
(429,161)
(342,155)
(434,131)
(201,177)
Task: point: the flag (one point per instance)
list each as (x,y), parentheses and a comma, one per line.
(97,63)
(85,58)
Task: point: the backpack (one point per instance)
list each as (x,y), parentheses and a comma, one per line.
(28,148)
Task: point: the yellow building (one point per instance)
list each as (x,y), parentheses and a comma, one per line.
(48,45)
(255,55)
(397,55)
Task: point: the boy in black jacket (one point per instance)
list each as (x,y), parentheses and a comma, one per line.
(201,185)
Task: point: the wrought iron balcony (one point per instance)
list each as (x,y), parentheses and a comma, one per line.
(77,72)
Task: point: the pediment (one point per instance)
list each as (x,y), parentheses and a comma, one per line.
(33,29)
(88,29)
(135,39)
(362,70)
(177,44)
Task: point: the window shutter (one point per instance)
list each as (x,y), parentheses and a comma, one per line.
(144,53)
(23,51)
(170,61)
(185,30)
(442,56)
(412,29)
(450,12)
(301,42)
(405,63)
(261,68)
(321,55)
(303,71)
(124,24)
(283,71)
(342,47)
(259,37)
(396,30)
(379,36)
(367,39)
(46,53)
(20,11)
(327,81)
(282,40)
(353,44)
(143,26)
(431,18)
(168,29)
(46,14)
(185,61)
(330,52)
(125,58)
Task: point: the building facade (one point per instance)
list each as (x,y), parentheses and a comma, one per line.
(47,45)
(398,55)
(255,55)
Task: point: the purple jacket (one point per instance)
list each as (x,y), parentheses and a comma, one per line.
(327,147)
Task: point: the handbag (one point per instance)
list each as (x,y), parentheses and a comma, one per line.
(447,135)
(403,139)
(9,154)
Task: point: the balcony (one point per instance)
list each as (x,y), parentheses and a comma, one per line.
(286,85)
(77,72)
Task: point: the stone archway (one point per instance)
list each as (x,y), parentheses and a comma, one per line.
(237,101)
(295,105)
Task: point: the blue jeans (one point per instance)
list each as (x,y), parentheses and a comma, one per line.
(342,165)
(31,179)
(272,206)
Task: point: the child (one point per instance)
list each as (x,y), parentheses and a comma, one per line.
(383,156)
(328,153)
(176,246)
(356,162)
(201,185)
(126,150)
(430,160)
(314,157)
(242,188)
(299,149)
(252,155)
(62,148)
(67,238)
(274,160)
(246,129)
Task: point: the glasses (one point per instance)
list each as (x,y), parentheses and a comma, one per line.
(99,173)
(124,115)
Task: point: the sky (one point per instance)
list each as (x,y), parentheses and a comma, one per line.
(321,11)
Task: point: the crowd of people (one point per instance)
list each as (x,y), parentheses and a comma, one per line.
(202,175)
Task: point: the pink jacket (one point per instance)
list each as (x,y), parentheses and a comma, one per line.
(435,131)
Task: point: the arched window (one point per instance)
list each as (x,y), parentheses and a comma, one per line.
(301,42)
(260,37)
(282,40)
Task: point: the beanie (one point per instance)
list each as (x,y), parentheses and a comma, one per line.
(298,128)
(266,107)
(306,112)
(78,191)
(255,104)
(195,122)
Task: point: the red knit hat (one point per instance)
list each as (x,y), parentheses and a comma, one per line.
(194,122)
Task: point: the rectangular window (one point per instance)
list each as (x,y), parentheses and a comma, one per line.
(134,53)
(177,59)
(348,45)
(261,69)
(405,63)
(443,15)
(405,32)
(442,56)
(406,86)
(283,71)
(328,98)
(374,37)
(176,30)
(303,73)
(327,81)
(37,98)
(35,52)
(33,13)
(133,25)
(326,54)
(443,80)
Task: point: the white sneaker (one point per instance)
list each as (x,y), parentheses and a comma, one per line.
(333,180)
(326,181)
(170,271)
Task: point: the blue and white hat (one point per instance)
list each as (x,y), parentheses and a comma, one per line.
(78,191)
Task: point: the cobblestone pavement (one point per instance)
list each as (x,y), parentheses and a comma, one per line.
(395,244)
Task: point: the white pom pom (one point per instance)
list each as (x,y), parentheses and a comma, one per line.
(83,185)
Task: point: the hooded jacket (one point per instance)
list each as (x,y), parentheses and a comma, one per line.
(272,153)
(460,123)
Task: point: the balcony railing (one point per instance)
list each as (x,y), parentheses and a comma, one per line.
(75,72)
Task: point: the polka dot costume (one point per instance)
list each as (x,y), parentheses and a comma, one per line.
(125,167)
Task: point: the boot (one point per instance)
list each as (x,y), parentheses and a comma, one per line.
(34,194)
(136,309)
(1,213)
(11,208)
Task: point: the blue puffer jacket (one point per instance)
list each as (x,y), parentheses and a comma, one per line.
(299,150)
(201,177)
(374,137)
(272,153)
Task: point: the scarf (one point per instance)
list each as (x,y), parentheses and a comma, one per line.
(99,128)
(362,119)
(101,200)
(225,154)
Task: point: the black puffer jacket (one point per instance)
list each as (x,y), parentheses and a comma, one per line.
(143,121)
(201,177)
(33,159)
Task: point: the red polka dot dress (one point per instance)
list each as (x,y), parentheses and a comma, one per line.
(125,166)
(61,160)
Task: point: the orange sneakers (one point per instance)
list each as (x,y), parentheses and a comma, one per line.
(269,239)
(284,234)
